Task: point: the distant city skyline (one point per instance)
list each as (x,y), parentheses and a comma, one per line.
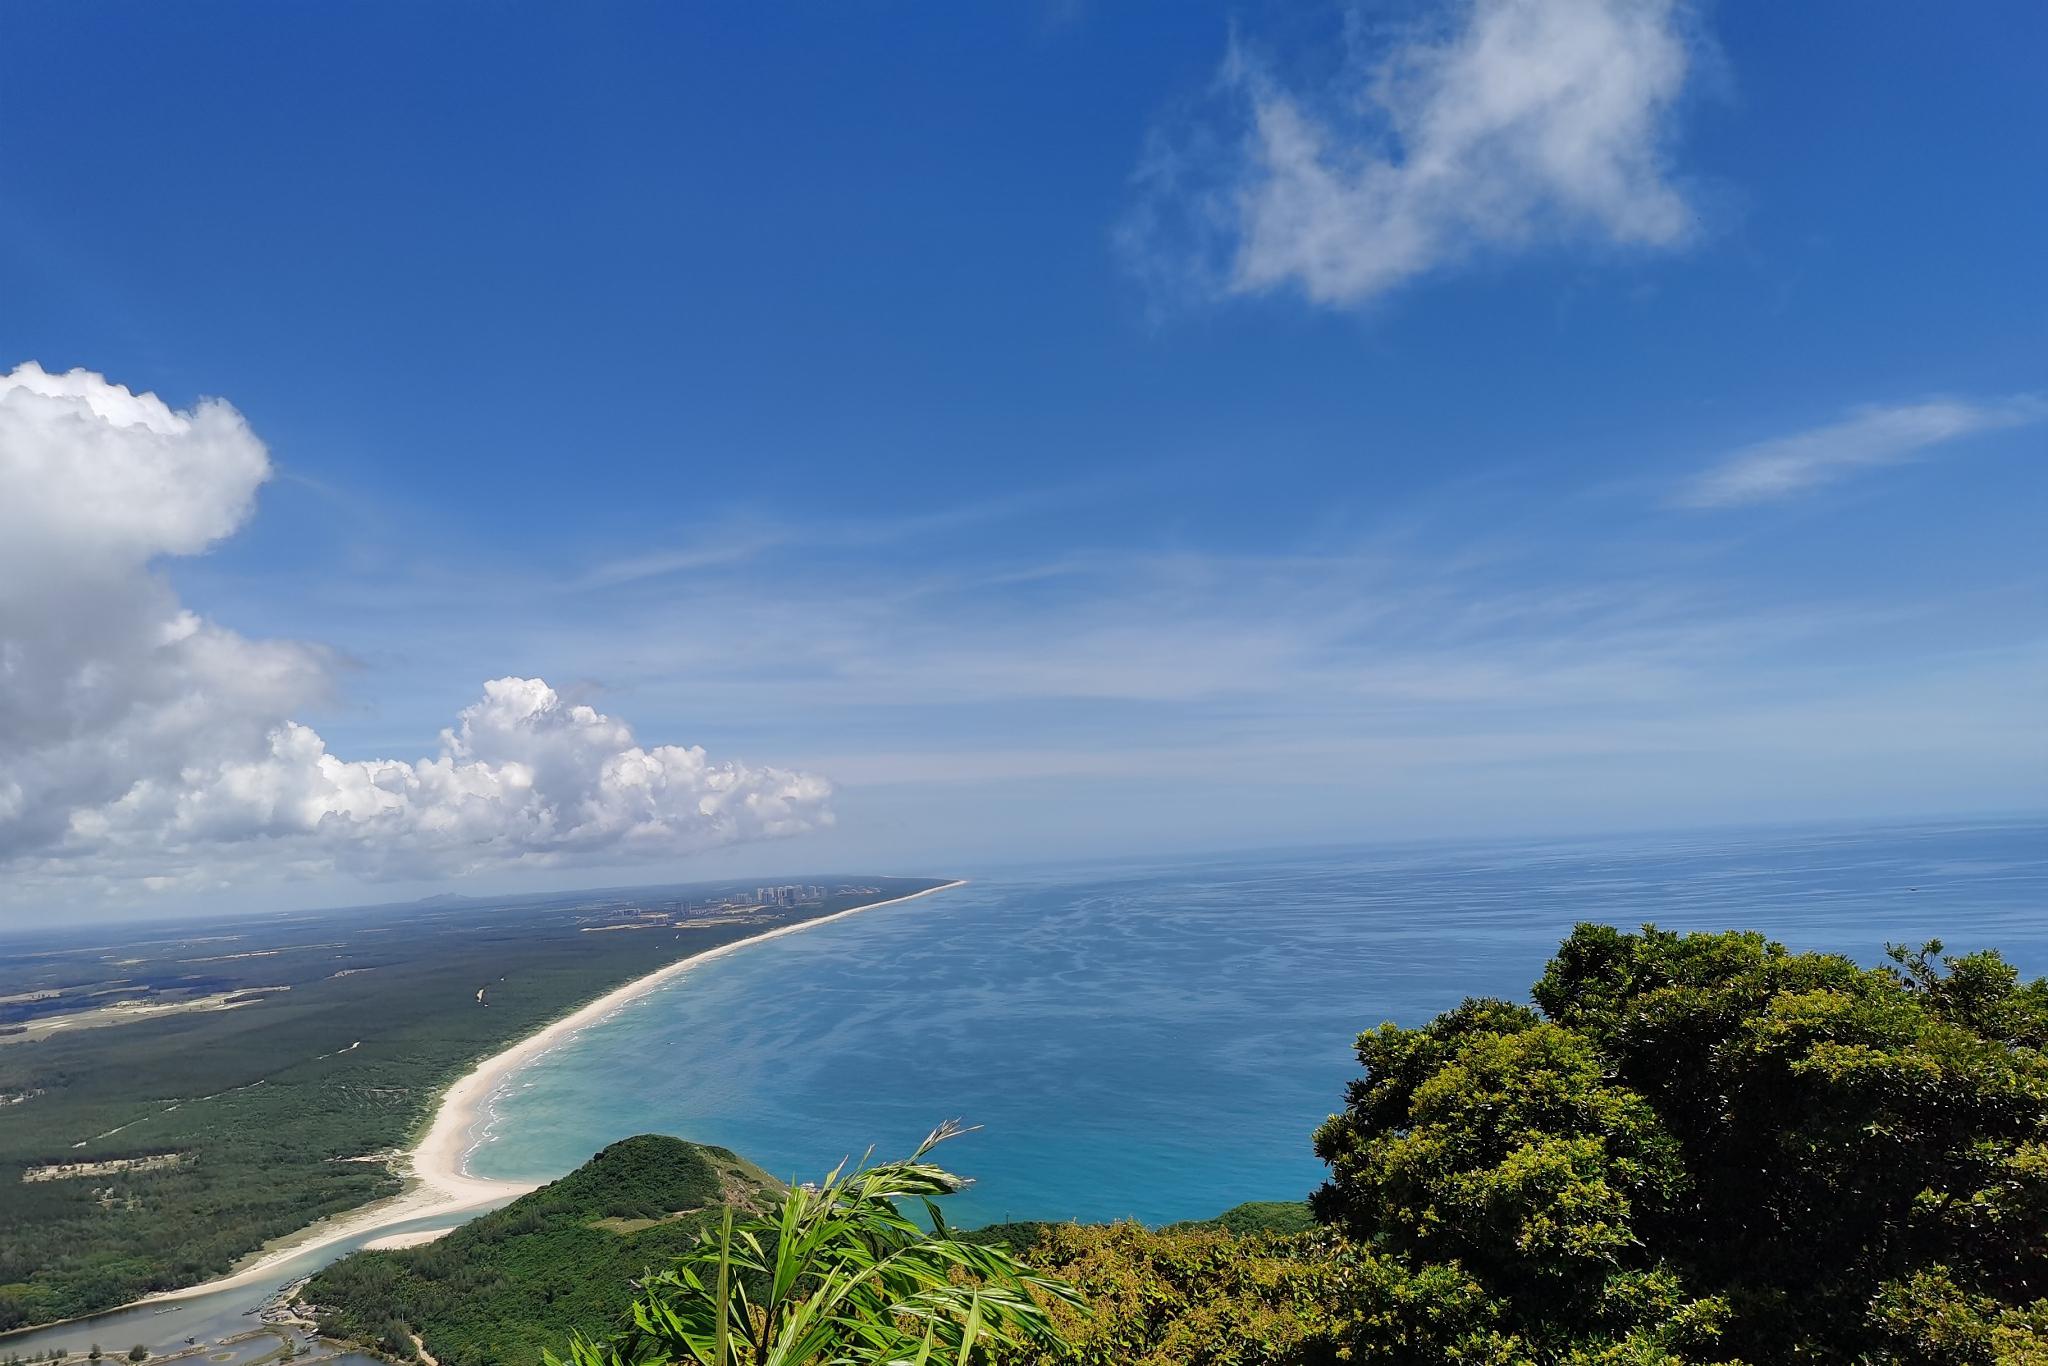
(603,448)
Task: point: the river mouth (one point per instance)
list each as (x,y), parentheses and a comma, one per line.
(216,1327)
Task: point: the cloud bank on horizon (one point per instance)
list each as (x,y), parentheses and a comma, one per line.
(142,743)
(1504,125)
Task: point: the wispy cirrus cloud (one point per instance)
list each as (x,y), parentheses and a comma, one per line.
(729,544)
(1867,438)
(1513,123)
(1426,666)
(1441,668)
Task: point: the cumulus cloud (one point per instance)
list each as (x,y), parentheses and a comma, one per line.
(523,777)
(139,739)
(1519,121)
(1869,437)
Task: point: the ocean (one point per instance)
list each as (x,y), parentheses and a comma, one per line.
(1158,1041)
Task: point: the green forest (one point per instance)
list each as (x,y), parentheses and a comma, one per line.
(281,1111)
(1683,1149)
(511,1283)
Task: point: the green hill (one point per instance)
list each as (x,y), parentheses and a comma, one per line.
(1251,1217)
(500,1288)
(1256,1216)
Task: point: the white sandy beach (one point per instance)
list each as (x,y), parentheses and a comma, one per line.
(437,1180)
(418,1237)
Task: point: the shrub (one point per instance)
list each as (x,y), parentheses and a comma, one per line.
(838,1274)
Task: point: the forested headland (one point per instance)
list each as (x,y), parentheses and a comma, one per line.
(511,1283)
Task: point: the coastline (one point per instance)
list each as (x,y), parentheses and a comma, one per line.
(435,1168)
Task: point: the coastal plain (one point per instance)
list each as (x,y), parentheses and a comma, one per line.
(164,1149)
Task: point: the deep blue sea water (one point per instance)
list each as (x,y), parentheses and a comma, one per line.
(1158,1041)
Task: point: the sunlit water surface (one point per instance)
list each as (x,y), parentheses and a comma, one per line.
(1151,1040)
(1159,1041)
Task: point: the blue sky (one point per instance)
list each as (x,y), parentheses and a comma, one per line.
(1074,429)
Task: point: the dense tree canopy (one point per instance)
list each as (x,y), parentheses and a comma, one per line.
(1707,1145)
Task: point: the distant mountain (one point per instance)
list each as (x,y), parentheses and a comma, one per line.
(500,1288)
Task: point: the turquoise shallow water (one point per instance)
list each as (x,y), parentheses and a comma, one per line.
(1158,1041)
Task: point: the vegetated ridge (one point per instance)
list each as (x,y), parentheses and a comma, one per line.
(510,1283)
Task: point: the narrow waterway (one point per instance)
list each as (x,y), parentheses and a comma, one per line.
(214,1328)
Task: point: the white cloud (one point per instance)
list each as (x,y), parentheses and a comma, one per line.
(524,777)
(1523,121)
(140,740)
(94,471)
(1872,436)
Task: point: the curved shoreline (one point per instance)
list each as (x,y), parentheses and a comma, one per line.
(436,1166)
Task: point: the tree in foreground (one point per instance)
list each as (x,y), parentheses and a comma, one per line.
(838,1274)
(1706,1147)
